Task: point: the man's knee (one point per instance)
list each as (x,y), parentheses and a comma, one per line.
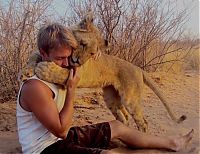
(116,123)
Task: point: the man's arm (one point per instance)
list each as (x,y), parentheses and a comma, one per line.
(38,98)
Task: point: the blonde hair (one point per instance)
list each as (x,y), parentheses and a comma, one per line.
(53,36)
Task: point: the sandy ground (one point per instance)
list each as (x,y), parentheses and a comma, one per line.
(181,90)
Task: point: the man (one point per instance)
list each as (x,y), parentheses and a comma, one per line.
(44,110)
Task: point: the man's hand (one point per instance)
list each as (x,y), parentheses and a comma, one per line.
(74,77)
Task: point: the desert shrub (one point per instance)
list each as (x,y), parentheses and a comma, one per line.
(141,32)
(19,23)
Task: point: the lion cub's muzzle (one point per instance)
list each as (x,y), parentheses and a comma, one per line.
(74,61)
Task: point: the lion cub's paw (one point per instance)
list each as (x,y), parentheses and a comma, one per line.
(25,73)
(51,72)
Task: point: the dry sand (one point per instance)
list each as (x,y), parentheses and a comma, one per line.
(181,90)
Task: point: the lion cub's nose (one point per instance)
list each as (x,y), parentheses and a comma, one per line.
(75,59)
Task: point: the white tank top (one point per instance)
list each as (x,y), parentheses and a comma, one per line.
(33,136)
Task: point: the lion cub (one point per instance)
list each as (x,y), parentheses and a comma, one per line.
(121,81)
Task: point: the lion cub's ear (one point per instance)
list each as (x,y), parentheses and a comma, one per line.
(87,23)
(89,17)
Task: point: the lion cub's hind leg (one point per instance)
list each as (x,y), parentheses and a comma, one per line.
(113,102)
(132,101)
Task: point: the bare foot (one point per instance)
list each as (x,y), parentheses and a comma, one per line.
(181,142)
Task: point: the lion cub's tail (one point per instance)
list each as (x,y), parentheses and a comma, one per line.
(151,84)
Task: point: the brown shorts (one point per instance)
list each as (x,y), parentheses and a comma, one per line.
(89,139)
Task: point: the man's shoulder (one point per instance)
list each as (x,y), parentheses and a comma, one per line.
(33,83)
(34,92)
(35,86)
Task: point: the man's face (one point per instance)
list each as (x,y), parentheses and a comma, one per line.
(59,56)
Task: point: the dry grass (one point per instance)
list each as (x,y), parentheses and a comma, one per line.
(188,62)
(192,60)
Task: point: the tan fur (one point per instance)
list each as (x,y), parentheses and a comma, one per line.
(29,69)
(122,82)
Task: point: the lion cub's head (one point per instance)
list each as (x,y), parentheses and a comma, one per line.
(90,41)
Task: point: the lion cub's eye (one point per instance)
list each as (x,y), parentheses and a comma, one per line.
(83,44)
(92,54)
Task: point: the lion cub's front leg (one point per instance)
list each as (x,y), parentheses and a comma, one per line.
(51,72)
(47,71)
(29,69)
